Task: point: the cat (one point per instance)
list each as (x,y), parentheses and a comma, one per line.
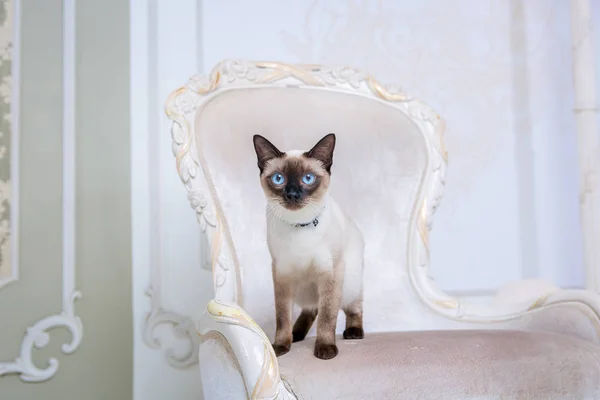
(317,251)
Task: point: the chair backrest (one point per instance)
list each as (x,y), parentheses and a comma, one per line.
(388,174)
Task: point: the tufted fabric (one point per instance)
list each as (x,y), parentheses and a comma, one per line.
(453,365)
(379,162)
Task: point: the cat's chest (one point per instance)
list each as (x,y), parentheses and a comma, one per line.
(297,247)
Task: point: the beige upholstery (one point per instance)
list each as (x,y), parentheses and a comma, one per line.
(448,365)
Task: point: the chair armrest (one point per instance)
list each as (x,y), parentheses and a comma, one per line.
(249,346)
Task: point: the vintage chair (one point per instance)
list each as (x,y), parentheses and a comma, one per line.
(389,170)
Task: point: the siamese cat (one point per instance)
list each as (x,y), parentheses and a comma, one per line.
(317,251)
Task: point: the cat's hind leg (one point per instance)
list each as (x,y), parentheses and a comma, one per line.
(352,300)
(303,324)
(354,323)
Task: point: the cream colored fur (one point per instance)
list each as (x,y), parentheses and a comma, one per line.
(302,253)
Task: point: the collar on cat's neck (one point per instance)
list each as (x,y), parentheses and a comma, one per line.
(314,222)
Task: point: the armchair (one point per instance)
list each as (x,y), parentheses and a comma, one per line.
(533,340)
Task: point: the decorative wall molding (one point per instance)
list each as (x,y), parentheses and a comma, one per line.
(37,335)
(9,132)
(182,326)
(586,114)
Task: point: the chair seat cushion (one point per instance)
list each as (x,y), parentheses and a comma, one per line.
(481,364)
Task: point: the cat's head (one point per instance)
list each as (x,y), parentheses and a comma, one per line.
(295,180)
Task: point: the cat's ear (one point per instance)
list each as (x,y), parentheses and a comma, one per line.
(265,151)
(323,151)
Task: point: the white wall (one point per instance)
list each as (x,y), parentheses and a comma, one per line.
(498,71)
(166,237)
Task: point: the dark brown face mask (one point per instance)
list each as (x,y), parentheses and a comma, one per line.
(295,181)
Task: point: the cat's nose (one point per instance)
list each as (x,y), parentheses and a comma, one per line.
(292,194)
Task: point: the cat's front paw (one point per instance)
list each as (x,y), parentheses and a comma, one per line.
(354,333)
(281,349)
(325,351)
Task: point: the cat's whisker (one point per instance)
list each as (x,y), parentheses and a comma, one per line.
(274,211)
(313,207)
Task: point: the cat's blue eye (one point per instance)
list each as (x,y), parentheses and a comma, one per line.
(308,179)
(277,178)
